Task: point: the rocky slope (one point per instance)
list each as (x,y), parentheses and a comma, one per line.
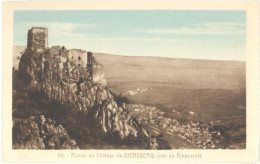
(40,133)
(51,72)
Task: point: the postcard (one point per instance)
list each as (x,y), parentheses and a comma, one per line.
(132,81)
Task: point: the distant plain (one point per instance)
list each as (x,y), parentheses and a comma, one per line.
(214,90)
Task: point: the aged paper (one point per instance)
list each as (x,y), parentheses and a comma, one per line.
(192,96)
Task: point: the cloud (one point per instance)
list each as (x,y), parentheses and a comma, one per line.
(122,39)
(88,37)
(203,29)
(73,34)
(56,28)
(60,33)
(131,40)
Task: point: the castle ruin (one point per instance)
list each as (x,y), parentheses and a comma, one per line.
(38,41)
(37,38)
(75,79)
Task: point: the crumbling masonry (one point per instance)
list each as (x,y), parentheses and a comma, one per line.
(37,38)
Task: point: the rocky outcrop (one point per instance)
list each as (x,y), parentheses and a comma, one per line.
(60,79)
(40,133)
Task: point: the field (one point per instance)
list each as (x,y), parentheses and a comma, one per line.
(213,90)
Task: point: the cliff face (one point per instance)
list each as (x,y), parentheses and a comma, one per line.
(52,73)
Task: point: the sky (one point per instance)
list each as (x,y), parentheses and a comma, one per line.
(195,34)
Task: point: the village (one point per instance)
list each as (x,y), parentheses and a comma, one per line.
(197,133)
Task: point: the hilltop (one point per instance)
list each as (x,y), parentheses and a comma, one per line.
(212,73)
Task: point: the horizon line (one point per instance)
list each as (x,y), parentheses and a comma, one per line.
(120,55)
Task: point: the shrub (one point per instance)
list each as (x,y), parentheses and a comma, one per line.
(120,99)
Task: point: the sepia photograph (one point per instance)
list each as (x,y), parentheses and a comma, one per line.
(129,79)
(130,83)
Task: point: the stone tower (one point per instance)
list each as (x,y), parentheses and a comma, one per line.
(37,38)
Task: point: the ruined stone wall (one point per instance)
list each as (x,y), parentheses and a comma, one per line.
(37,38)
(79,57)
(98,72)
(38,41)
